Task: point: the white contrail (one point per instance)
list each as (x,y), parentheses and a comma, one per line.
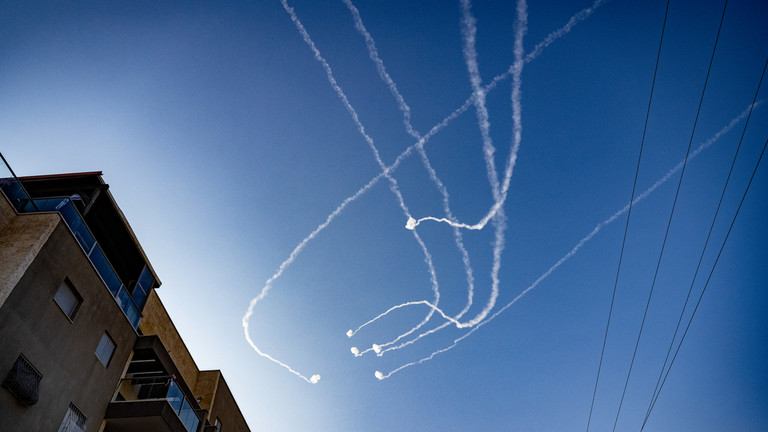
(360,192)
(515,68)
(385,171)
(419,144)
(351,332)
(379,347)
(468,32)
(373,53)
(703,146)
(289,261)
(406,110)
(548,40)
(562,31)
(414,340)
(375,151)
(312,380)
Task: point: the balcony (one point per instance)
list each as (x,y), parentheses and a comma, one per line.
(129,304)
(152,404)
(153,397)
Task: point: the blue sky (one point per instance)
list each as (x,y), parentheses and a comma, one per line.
(226,147)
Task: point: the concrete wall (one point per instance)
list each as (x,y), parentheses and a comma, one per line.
(63,350)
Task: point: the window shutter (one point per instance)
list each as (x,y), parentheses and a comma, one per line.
(105,349)
(66,298)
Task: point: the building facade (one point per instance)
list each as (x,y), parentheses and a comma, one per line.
(85,342)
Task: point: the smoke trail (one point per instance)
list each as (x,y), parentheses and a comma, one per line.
(351,333)
(469,32)
(385,172)
(379,348)
(703,146)
(312,380)
(548,40)
(360,192)
(393,183)
(288,262)
(515,70)
(551,37)
(419,144)
(414,340)
(562,31)
(373,53)
(406,110)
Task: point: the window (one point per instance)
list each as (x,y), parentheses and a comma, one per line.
(23,381)
(217,424)
(74,420)
(68,299)
(105,349)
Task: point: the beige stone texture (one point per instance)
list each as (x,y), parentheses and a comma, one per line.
(21,238)
(156,321)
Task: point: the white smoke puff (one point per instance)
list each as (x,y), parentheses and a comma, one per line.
(377,348)
(379,375)
(355,351)
(350,333)
(411,224)
(314,379)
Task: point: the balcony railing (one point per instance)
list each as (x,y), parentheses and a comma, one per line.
(16,194)
(24,204)
(162,388)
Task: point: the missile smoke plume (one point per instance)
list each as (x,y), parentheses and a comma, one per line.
(672,171)
(499,189)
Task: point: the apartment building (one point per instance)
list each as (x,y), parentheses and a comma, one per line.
(85,342)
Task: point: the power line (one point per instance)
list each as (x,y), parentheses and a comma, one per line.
(710,274)
(657,390)
(629,213)
(669,222)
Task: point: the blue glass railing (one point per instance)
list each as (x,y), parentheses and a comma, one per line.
(16,195)
(161,388)
(182,407)
(143,285)
(82,233)
(24,204)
